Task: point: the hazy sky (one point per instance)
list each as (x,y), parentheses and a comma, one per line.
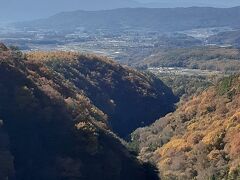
(187,3)
(17,10)
(236,2)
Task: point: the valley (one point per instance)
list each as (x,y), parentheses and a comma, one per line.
(127,35)
(121,94)
(120,45)
(172,71)
(60,119)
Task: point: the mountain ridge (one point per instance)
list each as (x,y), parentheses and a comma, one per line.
(49,129)
(130,98)
(27,10)
(153,19)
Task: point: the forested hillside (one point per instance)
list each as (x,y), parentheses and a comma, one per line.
(198,141)
(129,98)
(224,59)
(50,129)
(226,38)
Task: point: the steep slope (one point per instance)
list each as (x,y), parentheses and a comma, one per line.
(50,130)
(130,99)
(200,140)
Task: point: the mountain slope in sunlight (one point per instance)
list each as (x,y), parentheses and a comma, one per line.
(200,140)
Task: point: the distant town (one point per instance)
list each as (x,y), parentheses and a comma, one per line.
(120,45)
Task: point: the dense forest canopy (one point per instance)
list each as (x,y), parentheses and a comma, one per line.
(50,129)
(200,140)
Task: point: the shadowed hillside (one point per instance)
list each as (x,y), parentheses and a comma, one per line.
(49,129)
(130,99)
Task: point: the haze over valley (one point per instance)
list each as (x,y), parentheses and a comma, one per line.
(127,35)
(29,10)
(119,90)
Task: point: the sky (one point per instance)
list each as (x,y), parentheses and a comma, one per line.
(21,10)
(187,3)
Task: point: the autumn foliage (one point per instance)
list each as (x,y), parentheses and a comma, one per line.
(50,129)
(201,139)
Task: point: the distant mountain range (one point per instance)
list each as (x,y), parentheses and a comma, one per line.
(28,9)
(16,10)
(191,3)
(160,19)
